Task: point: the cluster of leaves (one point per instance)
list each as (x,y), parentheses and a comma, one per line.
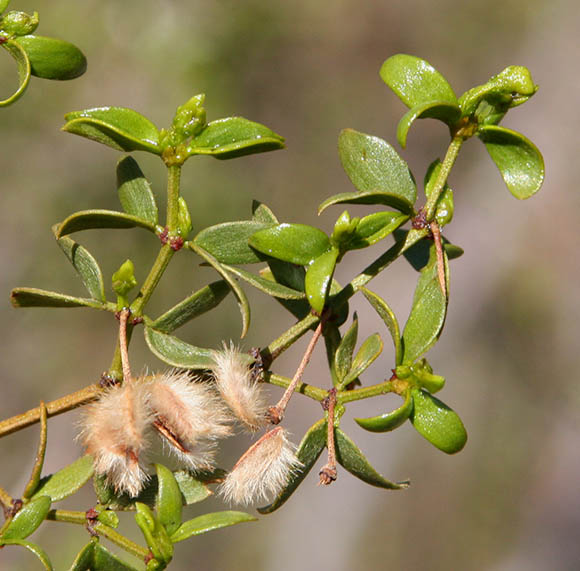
(297,269)
(48,58)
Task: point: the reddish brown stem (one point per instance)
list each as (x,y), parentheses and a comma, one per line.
(276,412)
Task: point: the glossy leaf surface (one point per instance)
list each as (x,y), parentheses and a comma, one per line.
(176,352)
(318,279)
(92,219)
(33,297)
(446,112)
(295,243)
(345,350)
(117,127)
(428,312)
(51,58)
(228,242)
(262,213)
(415,81)
(95,557)
(135,191)
(169,499)
(436,422)
(85,265)
(23,66)
(519,162)
(375,227)
(27,520)
(243,304)
(367,197)
(197,304)
(209,522)
(234,137)
(368,352)
(67,481)
(308,452)
(389,319)
(390,420)
(352,459)
(373,165)
(192,488)
(266,285)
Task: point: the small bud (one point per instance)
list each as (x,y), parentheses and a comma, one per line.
(114,433)
(19,23)
(263,470)
(189,416)
(238,388)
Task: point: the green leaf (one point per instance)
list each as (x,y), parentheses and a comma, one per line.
(234,137)
(3,5)
(155,534)
(95,557)
(352,459)
(374,166)
(490,102)
(27,520)
(85,265)
(308,452)
(176,352)
(51,58)
(169,499)
(428,312)
(135,191)
(368,352)
(91,219)
(390,420)
(34,479)
(23,64)
(33,297)
(117,127)
(228,242)
(415,81)
(193,490)
(418,254)
(318,278)
(124,280)
(67,481)
(345,350)
(261,213)
(374,227)
(519,162)
(445,207)
(389,319)
(295,243)
(209,522)
(436,422)
(243,304)
(367,197)
(33,548)
(446,112)
(266,285)
(191,307)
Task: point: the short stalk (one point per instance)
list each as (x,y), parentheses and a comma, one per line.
(80,518)
(276,413)
(328,471)
(123,345)
(364,393)
(310,391)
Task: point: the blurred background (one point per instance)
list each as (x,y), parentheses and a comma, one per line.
(510,500)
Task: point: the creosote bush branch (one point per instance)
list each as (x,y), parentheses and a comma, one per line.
(208,394)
